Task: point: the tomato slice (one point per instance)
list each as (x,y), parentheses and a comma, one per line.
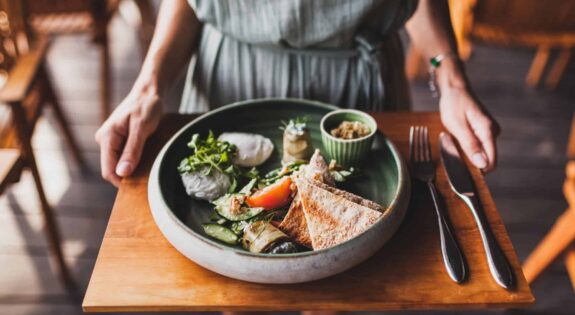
(273,196)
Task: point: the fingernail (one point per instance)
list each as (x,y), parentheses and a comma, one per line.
(479,160)
(123,169)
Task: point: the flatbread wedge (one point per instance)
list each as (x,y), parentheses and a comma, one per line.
(318,170)
(295,225)
(331,218)
(351,197)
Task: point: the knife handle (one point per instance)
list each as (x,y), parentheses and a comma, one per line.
(498,264)
(452,256)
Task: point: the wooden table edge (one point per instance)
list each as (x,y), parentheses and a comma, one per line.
(287,307)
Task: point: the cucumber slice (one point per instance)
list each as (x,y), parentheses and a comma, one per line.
(221,233)
(222,207)
(238,227)
(245,214)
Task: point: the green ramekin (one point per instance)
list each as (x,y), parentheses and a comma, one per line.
(347,152)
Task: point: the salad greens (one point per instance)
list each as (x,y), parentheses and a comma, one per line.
(209,152)
(232,216)
(231,207)
(211,155)
(276,174)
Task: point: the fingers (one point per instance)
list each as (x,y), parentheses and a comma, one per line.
(132,150)
(122,136)
(111,144)
(470,144)
(465,118)
(486,130)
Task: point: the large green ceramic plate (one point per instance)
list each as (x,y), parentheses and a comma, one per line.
(180,217)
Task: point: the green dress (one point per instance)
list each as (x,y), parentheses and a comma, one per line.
(343,52)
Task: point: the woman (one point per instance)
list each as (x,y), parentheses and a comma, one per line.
(344,52)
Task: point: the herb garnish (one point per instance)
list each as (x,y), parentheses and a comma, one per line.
(296,125)
(209,154)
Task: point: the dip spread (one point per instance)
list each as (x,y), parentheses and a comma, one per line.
(349,130)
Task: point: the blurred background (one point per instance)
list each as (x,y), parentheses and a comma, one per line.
(518,58)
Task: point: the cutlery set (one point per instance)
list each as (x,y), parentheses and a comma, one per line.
(460,181)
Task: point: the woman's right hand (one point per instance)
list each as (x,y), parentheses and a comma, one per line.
(122,136)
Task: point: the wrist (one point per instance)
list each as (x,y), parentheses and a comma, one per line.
(147,83)
(147,93)
(151,77)
(451,75)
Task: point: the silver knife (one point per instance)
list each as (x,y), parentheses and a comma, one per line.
(462,184)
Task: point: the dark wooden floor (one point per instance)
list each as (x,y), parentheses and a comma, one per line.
(526,187)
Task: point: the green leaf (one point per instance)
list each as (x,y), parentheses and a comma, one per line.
(252,173)
(338,177)
(247,188)
(238,227)
(215,216)
(194,141)
(233,186)
(345,173)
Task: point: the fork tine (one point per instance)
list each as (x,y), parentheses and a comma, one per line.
(412,144)
(427,145)
(421,145)
(416,143)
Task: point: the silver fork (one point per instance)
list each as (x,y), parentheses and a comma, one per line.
(423,169)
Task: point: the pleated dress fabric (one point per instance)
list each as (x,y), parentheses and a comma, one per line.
(343,52)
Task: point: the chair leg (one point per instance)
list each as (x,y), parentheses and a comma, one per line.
(556,72)
(569,190)
(147,22)
(570,264)
(52,230)
(537,66)
(62,120)
(105,74)
(99,10)
(555,242)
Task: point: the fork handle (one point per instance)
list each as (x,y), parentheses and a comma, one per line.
(452,256)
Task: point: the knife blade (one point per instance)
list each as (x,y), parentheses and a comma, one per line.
(462,184)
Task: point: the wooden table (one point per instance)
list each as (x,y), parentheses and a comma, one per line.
(138,270)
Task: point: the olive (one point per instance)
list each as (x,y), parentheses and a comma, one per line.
(284,248)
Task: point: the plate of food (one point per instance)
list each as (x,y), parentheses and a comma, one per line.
(279,190)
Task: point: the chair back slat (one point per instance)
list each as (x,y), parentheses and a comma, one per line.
(58,6)
(524,16)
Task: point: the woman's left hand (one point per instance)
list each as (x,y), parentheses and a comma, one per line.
(466,119)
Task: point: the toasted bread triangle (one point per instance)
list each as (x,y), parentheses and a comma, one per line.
(331,218)
(295,225)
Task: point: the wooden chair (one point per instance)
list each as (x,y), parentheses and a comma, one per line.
(561,238)
(55,17)
(25,90)
(544,25)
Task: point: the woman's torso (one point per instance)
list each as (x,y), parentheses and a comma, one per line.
(298,48)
